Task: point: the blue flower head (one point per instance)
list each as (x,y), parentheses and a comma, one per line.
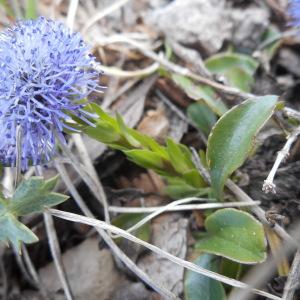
(45,73)
(294,12)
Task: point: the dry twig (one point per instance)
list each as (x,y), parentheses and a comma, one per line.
(186,264)
(115,249)
(293,280)
(269,185)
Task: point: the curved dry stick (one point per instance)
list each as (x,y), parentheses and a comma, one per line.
(101,14)
(115,249)
(181,262)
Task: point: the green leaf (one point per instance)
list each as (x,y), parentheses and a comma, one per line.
(201,92)
(202,116)
(34,195)
(232,138)
(126,133)
(236,235)
(14,231)
(183,190)
(231,268)
(237,68)
(222,62)
(149,143)
(180,156)
(103,132)
(237,77)
(200,287)
(146,159)
(125,221)
(31,9)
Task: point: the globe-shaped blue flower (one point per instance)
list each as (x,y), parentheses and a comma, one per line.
(294,12)
(45,73)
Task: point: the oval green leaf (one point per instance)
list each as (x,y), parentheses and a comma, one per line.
(232,138)
(236,235)
(200,287)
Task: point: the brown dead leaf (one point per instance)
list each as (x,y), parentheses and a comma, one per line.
(155,124)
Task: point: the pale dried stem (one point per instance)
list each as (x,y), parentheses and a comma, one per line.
(179,69)
(87,161)
(183,263)
(101,14)
(86,177)
(16,5)
(23,269)
(73,6)
(177,206)
(55,248)
(28,269)
(138,210)
(109,99)
(190,56)
(289,112)
(56,255)
(18,156)
(113,71)
(269,185)
(293,280)
(115,249)
(33,273)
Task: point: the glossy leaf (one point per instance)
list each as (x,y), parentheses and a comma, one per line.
(200,287)
(236,235)
(232,138)
(34,195)
(202,116)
